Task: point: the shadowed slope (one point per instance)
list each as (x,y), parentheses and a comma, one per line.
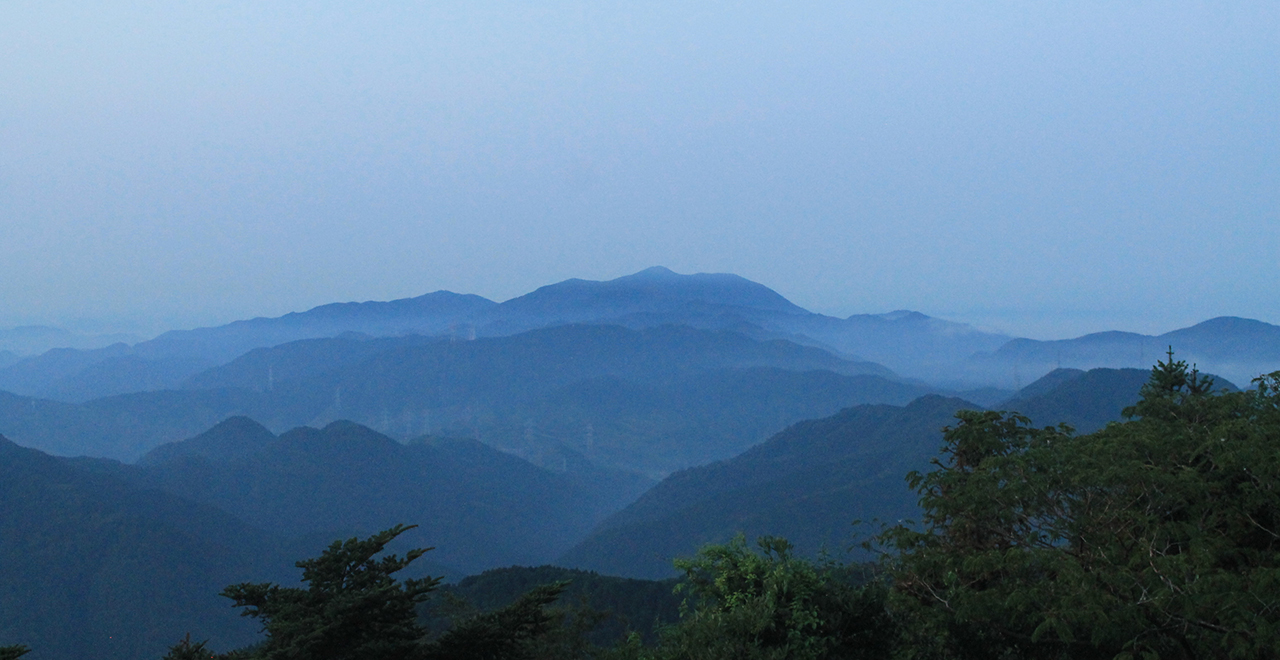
(807,483)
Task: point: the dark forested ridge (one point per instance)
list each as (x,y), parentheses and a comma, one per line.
(481,507)
(807,483)
(94,550)
(91,566)
(811,481)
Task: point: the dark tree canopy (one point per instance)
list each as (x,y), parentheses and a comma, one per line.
(13,652)
(352,609)
(1156,537)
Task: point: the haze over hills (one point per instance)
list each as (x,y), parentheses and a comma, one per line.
(911,344)
(163,362)
(1237,349)
(31,340)
(580,401)
(650,298)
(648,401)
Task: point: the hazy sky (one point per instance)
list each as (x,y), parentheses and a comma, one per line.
(1046,168)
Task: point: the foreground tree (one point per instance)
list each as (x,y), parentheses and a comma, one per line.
(1155,538)
(745,605)
(13,652)
(352,609)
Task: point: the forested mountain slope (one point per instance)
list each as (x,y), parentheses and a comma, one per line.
(93,567)
(807,483)
(480,507)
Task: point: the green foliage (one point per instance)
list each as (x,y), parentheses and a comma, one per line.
(187,650)
(13,652)
(615,605)
(1153,538)
(352,609)
(524,630)
(771,605)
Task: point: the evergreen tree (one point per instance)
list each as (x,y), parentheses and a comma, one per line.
(13,652)
(352,609)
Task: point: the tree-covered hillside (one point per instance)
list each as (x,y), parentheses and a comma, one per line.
(808,483)
(481,507)
(92,567)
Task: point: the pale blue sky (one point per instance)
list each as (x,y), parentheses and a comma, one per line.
(1046,168)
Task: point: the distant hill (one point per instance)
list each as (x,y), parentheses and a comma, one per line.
(1085,400)
(908,342)
(649,401)
(73,374)
(30,340)
(1237,349)
(480,507)
(121,427)
(696,420)
(807,483)
(940,352)
(92,567)
(652,291)
(439,313)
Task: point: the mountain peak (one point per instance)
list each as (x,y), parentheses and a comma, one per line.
(227,441)
(653,272)
(652,290)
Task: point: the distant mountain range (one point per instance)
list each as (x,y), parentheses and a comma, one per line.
(649,401)
(1235,348)
(30,340)
(647,299)
(910,344)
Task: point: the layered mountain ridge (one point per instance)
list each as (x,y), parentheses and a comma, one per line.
(910,344)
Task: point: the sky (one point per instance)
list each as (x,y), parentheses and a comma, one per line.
(1042,168)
